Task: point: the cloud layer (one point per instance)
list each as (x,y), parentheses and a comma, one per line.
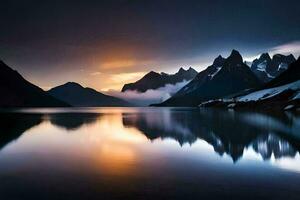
(150,96)
(288,48)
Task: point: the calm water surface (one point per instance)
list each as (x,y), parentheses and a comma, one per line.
(148,153)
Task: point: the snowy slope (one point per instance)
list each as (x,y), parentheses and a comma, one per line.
(268,93)
(285,97)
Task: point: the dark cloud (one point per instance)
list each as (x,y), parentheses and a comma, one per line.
(40,36)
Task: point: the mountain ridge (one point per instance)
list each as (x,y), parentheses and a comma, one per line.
(267,68)
(223,77)
(154,80)
(282,93)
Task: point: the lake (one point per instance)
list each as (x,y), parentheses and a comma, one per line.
(148,153)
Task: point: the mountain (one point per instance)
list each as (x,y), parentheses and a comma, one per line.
(290,75)
(224,77)
(154,80)
(282,93)
(18,92)
(266,68)
(76,95)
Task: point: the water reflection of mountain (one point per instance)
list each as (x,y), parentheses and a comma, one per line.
(13,125)
(73,121)
(227,132)
(270,144)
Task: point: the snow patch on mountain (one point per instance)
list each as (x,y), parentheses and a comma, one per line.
(262,66)
(213,74)
(297,96)
(282,66)
(268,93)
(270,76)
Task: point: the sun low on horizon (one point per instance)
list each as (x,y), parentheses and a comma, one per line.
(149,99)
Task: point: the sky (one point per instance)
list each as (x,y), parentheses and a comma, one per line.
(105,44)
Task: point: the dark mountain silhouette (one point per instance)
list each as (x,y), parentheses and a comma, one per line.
(266,68)
(18,92)
(154,80)
(76,95)
(224,77)
(13,125)
(226,132)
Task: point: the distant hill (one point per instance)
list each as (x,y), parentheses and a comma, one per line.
(76,95)
(17,92)
(154,80)
(267,68)
(222,78)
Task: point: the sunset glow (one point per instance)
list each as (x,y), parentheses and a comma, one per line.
(149,99)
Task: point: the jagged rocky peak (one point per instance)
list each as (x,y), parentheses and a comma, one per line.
(181,70)
(218,60)
(216,81)
(282,58)
(261,63)
(291,57)
(235,57)
(154,80)
(267,68)
(280,63)
(264,56)
(188,72)
(191,70)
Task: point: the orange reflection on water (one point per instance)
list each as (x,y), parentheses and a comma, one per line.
(117,150)
(104,144)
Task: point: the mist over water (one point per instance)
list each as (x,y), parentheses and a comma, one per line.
(151,96)
(139,153)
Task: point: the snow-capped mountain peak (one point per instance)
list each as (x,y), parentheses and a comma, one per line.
(267,68)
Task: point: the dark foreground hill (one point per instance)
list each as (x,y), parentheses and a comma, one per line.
(17,92)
